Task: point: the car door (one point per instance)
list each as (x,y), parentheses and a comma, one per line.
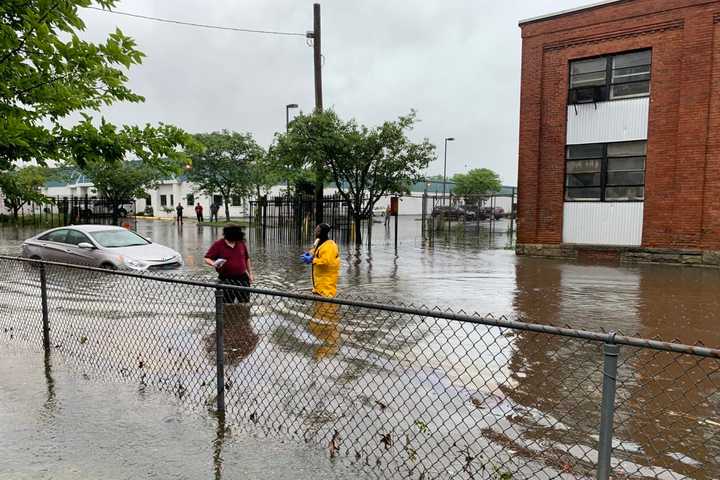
(75,254)
(52,245)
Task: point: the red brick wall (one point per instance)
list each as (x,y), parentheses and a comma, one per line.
(682,206)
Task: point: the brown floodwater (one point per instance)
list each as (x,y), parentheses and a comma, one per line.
(529,402)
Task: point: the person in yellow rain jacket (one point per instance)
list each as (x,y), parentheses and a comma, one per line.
(325,263)
(325,272)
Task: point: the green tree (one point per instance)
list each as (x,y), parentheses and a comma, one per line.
(48,73)
(263,175)
(225,165)
(476,184)
(119,182)
(21,186)
(365,163)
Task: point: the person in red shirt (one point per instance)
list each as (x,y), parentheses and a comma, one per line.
(229,257)
(199,212)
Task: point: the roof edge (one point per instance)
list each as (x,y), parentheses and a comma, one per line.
(569,11)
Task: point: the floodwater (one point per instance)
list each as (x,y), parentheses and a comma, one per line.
(523,397)
(55,424)
(479,273)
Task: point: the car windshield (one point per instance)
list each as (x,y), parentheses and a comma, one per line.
(118,238)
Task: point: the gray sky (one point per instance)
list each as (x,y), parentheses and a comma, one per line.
(457,62)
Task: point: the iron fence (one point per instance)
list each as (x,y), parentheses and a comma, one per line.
(398,390)
(292,219)
(63,211)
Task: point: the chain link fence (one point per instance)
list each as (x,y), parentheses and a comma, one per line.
(398,390)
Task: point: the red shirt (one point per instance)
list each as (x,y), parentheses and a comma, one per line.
(237,258)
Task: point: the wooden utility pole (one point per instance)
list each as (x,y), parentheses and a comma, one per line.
(317,58)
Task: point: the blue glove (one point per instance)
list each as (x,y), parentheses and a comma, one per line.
(307,258)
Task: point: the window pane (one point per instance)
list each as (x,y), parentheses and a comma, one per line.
(631,74)
(75,238)
(627,149)
(190,199)
(589,150)
(56,236)
(626,178)
(632,59)
(163,200)
(628,90)
(587,79)
(583,180)
(626,164)
(583,166)
(624,193)
(587,66)
(582,193)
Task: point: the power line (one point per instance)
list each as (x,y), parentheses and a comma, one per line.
(200,25)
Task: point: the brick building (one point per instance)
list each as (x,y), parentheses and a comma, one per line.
(620,132)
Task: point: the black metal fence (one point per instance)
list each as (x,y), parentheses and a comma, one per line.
(62,211)
(400,391)
(292,219)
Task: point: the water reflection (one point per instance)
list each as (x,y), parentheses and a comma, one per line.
(324,326)
(240,340)
(218,443)
(50,404)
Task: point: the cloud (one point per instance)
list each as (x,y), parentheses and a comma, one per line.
(457,62)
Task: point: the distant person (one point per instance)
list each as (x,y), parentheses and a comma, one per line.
(179,209)
(230,258)
(388,211)
(214,209)
(199,212)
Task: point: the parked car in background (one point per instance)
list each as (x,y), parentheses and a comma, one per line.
(453,213)
(101,246)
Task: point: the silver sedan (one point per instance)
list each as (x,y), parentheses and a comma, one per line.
(100,246)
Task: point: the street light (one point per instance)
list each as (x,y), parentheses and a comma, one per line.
(447,139)
(287,114)
(287,127)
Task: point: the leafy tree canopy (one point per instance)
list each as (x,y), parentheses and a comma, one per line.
(21,186)
(476,182)
(365,163)
(48,73)
(229,163)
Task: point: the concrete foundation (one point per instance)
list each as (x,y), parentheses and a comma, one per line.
(613,254)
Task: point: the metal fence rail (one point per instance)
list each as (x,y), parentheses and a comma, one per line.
(403,392)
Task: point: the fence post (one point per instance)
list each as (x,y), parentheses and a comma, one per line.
(220,349)
(607,410)
(43,297)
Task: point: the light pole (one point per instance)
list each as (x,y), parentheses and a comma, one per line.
(287,127)
(447,139)
(287,114)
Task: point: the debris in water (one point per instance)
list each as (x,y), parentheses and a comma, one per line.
(386,439)
(83,340)
(334,444)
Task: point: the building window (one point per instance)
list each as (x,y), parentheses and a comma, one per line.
(235,201)
(190,199)
(163,200)
(172,199)
(605,172)
(612,77)
(217,200)
(148,201)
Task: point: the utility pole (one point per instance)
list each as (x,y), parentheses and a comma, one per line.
(317,60)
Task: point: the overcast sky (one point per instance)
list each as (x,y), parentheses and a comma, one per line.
(457,62)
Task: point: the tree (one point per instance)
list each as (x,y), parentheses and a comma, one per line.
(119,182)
(476,184)
(262,175)
(21,186)
(224,165)
(365,163)
(48,73)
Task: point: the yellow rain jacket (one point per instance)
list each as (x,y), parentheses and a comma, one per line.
(325,269)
